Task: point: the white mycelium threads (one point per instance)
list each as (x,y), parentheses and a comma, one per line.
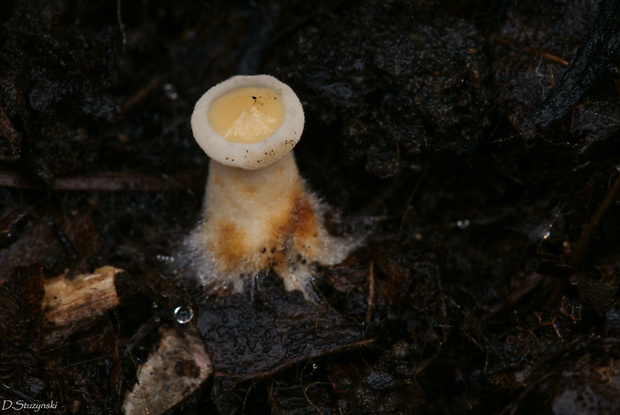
(257,214)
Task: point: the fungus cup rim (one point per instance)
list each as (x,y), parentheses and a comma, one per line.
(255,155)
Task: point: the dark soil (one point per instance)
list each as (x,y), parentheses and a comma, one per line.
(477,144)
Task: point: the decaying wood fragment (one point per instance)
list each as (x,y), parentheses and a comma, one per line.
(71,305)
(172,373)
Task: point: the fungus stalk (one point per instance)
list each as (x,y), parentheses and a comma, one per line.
(257,214)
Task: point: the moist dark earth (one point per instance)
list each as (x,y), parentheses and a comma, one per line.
(474,144)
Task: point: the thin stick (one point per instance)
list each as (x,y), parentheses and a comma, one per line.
(109,181)
(371,291)
(531,51)
(592,226)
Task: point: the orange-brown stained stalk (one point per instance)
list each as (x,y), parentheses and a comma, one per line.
(258,214)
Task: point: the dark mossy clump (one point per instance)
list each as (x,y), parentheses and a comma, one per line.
(397,89)
(55,84)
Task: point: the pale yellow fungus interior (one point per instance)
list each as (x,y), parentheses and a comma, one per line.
(247,115)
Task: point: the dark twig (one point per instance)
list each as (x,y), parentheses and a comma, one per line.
(585,238)
(597,52)
(371,291)
(531,51)
(110,182)
(10,138)
(139,96)
(144,330)
(588,231)
(529,284)
(8,222)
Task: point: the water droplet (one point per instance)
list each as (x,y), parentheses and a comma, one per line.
(315,366)
(171,91)
(462,224)
(155,305)
(575,279)
(165,258)
(183,314)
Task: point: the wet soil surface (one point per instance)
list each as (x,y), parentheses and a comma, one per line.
(475,144)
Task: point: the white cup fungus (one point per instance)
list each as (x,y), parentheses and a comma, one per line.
(257,214)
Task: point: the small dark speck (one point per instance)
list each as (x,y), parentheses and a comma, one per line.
(273,250)
(303,261)
(264,250)
(253,97)
(187,368)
